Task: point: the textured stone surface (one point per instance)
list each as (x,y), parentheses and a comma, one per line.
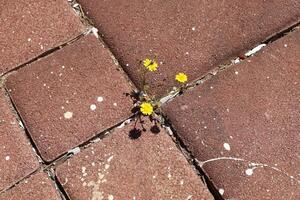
(17,159)
(29,28)
(186,37)
(149,167)
(247,120)
(38,186)
(69,96)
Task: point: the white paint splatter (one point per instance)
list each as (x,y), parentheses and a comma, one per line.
(100,99)
(93,107)
(110,197)
(169,173)
(226,146)
(68,115)
(110,158)
(221,191)
(201,163)
(189,197)
(249,171)
(115,104)
(7,158)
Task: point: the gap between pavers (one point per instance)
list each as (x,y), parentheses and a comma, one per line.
(131,37)
(71,71)
(213,130)
(268,41)
(123,166)
(30,28)
(237,60)
(17,156)
(36,186)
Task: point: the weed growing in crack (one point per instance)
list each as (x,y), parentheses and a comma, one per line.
(149,106)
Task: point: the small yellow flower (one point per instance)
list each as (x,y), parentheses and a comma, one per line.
(147,62)
(146,108)
(151,65)
(181,77)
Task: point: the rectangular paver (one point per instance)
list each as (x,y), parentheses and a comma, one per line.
(69,96)
(36,187)
(17,159)
(191,37)
(119,167)
(29,28)
(243,124)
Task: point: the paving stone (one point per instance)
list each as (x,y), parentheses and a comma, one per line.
(243,124)
(38,186)
(118,167)
(17,158)
(69,96)
(189,37)
(29,28)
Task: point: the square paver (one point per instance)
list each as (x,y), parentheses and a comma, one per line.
(191,37)
(119,167)
(36,187)
(17,159)
(29,28)
(243,124)
(69,96)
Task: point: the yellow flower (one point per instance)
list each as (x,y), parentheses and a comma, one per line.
(151,65)
(147,62)
(181,77)
(146,108)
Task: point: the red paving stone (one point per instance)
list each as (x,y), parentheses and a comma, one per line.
(29,28)
(191,37)
(149,167)
(17,159)
(247,119)
(69,96)
(38,186)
